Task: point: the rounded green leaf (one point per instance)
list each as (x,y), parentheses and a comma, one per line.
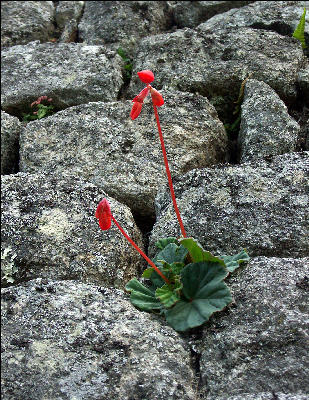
(141,296)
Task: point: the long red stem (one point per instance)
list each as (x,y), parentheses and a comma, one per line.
(168,173)
(140,251)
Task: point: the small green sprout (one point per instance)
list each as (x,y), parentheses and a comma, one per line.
(299,32)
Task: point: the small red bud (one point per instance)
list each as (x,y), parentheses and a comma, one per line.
(136,109)
(146,76)
(157,98)
(103,214)
(141,96)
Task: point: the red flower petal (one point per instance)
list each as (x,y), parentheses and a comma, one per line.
(157,98)
(146,76)
(103,214)
(136,109)
(141,96)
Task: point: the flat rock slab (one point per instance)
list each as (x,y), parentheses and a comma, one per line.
(10,131)
(257,349)
(100,142)
(69,73)
(214,63)
(69,340)
(261,206)
(25,21)
(266,128)
(48,230)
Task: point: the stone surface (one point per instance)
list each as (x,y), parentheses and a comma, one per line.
(303,82)
(101,143)
(25,21)
(279,16)
(68,340)
(67,16)
(123,23)
(70,73)
(10,131)
(192,13)
(261,206)
(266,127)
(257,348)
(48,230)
(214,63)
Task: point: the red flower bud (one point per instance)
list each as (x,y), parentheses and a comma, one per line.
(141,96)
(157,98)
(146,76)
(136,109)
(103,214)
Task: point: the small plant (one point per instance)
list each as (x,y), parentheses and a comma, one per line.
(39,110)
(299,32)
(184,282)
(127,63)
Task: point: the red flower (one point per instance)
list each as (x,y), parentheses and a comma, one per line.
(157,98)
(136,109)
(146,76)
(103,214)
(141,96)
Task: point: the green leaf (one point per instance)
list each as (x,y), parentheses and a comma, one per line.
(162,243)
(197,252)
(204,293)
(233,262)
(170,254)
(141,296)
(147,273)
(299,32)
(168,295)
(121,52)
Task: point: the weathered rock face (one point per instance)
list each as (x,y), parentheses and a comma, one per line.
(49,230)
(257,349)
(71,340)
(266,127)
(25,21)
(70,73)
(123,22)
(67,17)
(124,157)
(260,206)
(214,63)
(10,131)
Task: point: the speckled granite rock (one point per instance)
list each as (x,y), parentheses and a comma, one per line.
(261,206)
(100,142)
(266,127)
(257,349)
(67,17)
(25,21)
(68,340)
(48,230)
(10,131)
(70,73)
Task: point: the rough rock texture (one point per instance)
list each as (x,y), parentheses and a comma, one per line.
(67,16)
(280,16)
(303,82)
(266,127)
(48,230)
(214,63)
(70,73)
(192,13)
(102,19)
(101,143)
(24,21)
(68,340)
(261,206)
(10,131)
(259,345)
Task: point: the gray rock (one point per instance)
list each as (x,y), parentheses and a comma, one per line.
(266,127)
(68,340)
(68,15)
(10,131)
(280,16)
(262,206)
(257,349)
(48,230)
(192,13)
(70,73)
(214,63)
(100,142)
(303,82)
(122,23)
(25,21)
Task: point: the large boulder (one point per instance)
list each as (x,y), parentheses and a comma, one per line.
(10,131)
(25,21)
(261,206)
(69,340)
(48,230)
(257,348)
(100,142)
(69,73)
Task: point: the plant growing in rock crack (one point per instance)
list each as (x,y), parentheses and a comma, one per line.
(184,282)
(299,32)
(38,109)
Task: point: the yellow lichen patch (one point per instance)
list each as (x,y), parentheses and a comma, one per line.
(54,223)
